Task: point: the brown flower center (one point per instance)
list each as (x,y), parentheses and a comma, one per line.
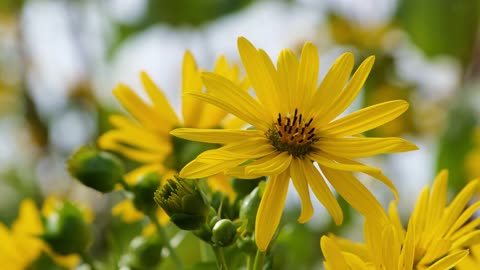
(292,134)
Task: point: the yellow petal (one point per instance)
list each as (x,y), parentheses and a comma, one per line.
(307,75)
(333,83)
(333,255)
(160,102)
(454,210)
(229,97)
(356,147)
(350,92)
(139,140)
(449,261)
(365,119)
(322,192)
(220,136)
(345,164)
(468,240)
(272,164)
(270,210)
(287,64)
(408,251)
(438,199)
(259,76)
(144,113)
(355,194)
(196,169)
(279,89)
(300,182)
(192,108)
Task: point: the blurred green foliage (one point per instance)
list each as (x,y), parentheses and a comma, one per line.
(442,26)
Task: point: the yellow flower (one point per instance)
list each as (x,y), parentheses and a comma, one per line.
(296,124)
(438,236)
(147,140)
(21,245)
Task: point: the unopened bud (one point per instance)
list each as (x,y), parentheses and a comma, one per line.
(96,169)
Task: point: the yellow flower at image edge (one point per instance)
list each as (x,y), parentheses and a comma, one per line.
(438,236)
(21,245)
(295,125)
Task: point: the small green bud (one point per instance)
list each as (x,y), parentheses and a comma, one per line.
(184,203)
(223,233)
(96,169)
(143,192)
(143,253)
(249,208)
(66,230)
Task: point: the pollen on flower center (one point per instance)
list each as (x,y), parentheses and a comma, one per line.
(292,134)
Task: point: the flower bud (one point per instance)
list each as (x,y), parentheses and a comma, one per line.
(96,169)
(143,192)
(223,233)
(66,230)
(249,208)
(184,203)
(143,253)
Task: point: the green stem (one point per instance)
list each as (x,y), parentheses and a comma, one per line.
(87,258)
(250,262)
(166,242)
(259,260)
(221,263)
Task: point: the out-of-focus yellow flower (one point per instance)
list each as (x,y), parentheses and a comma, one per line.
(296,124)
(21,244)
(147,140)
(367,38)
(438,235)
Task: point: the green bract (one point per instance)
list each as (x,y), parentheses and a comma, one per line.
(184,203)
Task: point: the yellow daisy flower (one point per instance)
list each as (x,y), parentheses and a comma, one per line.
(295,124)
(147,140)
(437,237)
(21,245)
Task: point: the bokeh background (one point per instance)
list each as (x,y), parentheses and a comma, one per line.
(59,61)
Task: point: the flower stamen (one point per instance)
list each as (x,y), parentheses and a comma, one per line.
(292,134)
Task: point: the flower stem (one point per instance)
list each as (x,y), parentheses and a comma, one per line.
(250,262)
(259,260)
(87,258)
(221,263)
(166,242)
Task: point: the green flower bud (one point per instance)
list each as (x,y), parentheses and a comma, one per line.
(143,253)
(143,192)
(223,233)
(184,203)
(66,230)
(249,208)
(96,169)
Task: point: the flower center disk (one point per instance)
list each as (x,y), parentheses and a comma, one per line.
(292,134)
